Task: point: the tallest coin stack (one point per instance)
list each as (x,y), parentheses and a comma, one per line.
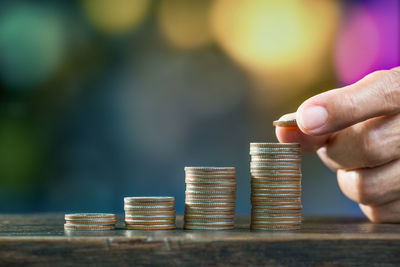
(275,186)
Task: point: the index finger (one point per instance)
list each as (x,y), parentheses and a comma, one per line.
(377,94)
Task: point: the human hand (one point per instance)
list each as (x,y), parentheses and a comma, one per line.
(356,132)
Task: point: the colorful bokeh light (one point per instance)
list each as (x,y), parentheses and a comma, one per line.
(368,40)
(32,45)
(118,16)
(277,39)
(185,24)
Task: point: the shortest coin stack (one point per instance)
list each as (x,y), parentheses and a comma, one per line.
(150,213)
(90,221)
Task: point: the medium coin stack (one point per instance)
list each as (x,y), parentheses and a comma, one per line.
(90,221)
(275,186)
(150,213)
(210,198)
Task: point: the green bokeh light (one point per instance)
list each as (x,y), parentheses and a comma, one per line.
(31,45)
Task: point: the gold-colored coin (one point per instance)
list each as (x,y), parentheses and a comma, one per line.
(285,123)
(69,226)
(150,227)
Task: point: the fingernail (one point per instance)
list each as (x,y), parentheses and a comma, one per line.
(313,117)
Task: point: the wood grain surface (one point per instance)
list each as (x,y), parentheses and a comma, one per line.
(41,240)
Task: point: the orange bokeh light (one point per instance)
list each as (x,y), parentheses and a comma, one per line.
(284,43)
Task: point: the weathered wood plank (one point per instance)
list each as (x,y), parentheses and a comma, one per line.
(41,240)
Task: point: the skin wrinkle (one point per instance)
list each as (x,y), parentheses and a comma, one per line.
(371,186)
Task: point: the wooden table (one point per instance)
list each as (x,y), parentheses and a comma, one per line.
(41,240)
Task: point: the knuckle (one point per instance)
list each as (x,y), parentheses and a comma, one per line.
(363,191)
(391,88)
(368,150)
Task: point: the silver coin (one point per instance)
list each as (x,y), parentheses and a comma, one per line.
(277,217)
(268,144)
(150,198)
(188,215)
(141,207)
(212,223)
(211,169)
(133,221)
(205,192)
(87,215)
(276,189)
(198,181)
(149,216)
(88,225)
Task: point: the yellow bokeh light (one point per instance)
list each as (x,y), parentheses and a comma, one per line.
(116,16)
(284,42)
(186,24)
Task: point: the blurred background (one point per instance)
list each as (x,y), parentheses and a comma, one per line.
(104,99)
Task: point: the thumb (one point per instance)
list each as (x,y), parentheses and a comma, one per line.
(375,95)
(308,143)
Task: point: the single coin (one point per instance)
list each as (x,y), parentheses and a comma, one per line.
(216,177)
(203,227)
(210,169)
(73,216)
(285,123)
(298,215)
(149,199)
(68,226)
(148,217)
(283,164)
(273,153)
(294,179)
(270,194)
(150,212)
(276,173)
(274,160)
(276,146)
(269,144)
(153,223)
(211,175)
(208,213)
(277,190)
(206,192)
(150,227)
(148,207)
(92,222)
(210,210)
(274,193)
(91,219)
(217,202)
(211,205)
(259,188)
(258,192)
(230,197)
(273,222)
(213,216)
(269,156)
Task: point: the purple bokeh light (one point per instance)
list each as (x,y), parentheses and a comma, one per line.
(368,40)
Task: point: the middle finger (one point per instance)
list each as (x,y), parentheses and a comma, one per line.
(367,144)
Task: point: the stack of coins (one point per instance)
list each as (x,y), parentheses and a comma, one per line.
(275,186)
(150,213)
(210,198)
(90,221)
